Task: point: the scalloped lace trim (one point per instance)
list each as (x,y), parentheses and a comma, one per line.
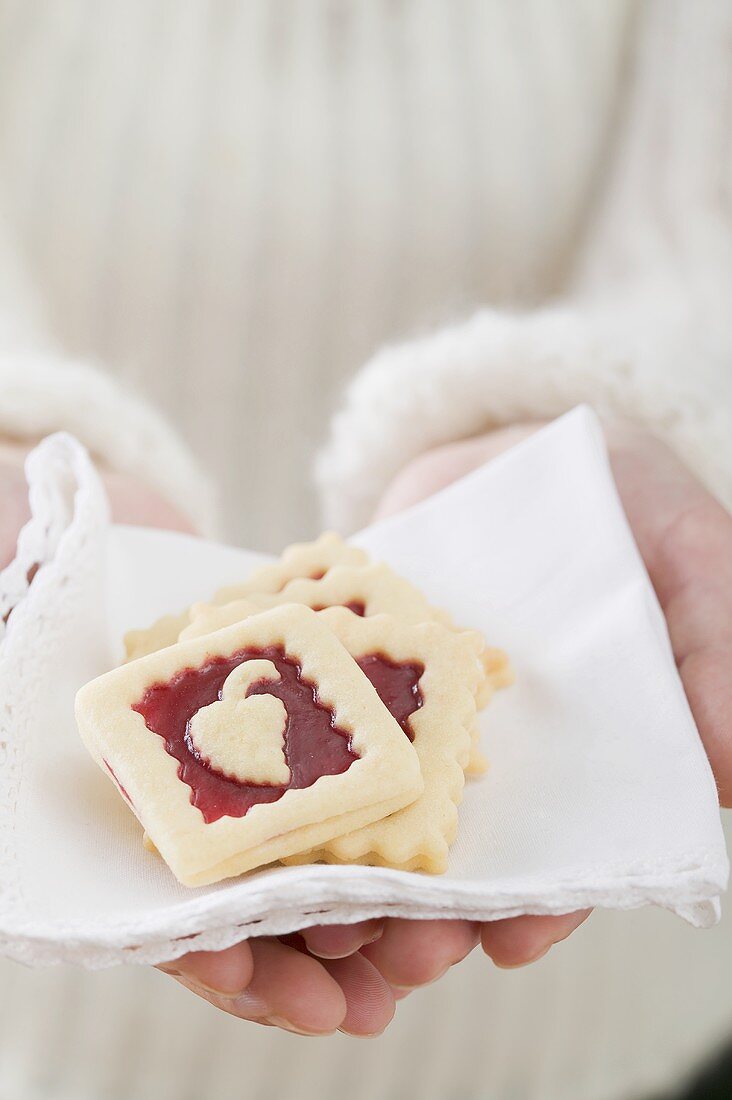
(59,559)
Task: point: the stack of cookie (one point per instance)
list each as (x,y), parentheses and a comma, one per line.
(322,710)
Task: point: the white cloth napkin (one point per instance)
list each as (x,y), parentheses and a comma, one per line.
(599,792)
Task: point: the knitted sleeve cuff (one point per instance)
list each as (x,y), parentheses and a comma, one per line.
(41,393)
(500,368)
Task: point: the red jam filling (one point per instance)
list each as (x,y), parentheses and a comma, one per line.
(356,606)
(314,745)
(397,686)
(122,791)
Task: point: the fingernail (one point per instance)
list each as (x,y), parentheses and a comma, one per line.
(169,970)
(360,1034)
(399,992)
(319,953)
(329,956)
(281,1022)
(245,1002)
(423,985)
(250,1004)
(229,994)
(525,962)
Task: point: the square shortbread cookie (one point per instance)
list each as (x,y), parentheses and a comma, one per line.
(303,559)
(306,560)
(426,676)
(366,590)
(242,748)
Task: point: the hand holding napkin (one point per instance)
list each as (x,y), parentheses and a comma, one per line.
(599,791)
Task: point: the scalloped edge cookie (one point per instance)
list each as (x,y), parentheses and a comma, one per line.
(381,591)
(302,559)
(419,836)
(385,778)
(163,632)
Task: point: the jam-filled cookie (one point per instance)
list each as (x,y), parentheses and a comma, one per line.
(248,746)
(368,590)
(426,676)
(163,632)
(303,559)
(373,589)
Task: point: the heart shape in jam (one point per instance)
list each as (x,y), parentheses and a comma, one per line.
(242,736)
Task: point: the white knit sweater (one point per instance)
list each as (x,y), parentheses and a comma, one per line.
(228,206)
(644,329)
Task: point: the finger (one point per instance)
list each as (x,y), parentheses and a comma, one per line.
(16,509)
(299,992)
(697,598)
(337,941)
(522,940)
(132,501)
(438,468)
(694,550)
(700,618)
(411,953)
(288,989)
(707,679)
(369,1000)
(225,972)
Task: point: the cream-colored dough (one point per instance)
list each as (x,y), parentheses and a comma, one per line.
(244,737)
(381,591)
(417,837)
(303,559)
(385,777)
(163,632)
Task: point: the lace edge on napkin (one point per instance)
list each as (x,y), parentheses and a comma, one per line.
(58,560)
(320,898)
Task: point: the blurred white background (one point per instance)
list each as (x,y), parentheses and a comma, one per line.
(231,205)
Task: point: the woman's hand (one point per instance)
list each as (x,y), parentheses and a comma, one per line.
(272,981)
(14,511)
(685,538)
(350,977)
(311,983)
(131,500)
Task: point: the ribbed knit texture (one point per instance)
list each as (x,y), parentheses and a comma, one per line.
(642,330)
(232,205)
